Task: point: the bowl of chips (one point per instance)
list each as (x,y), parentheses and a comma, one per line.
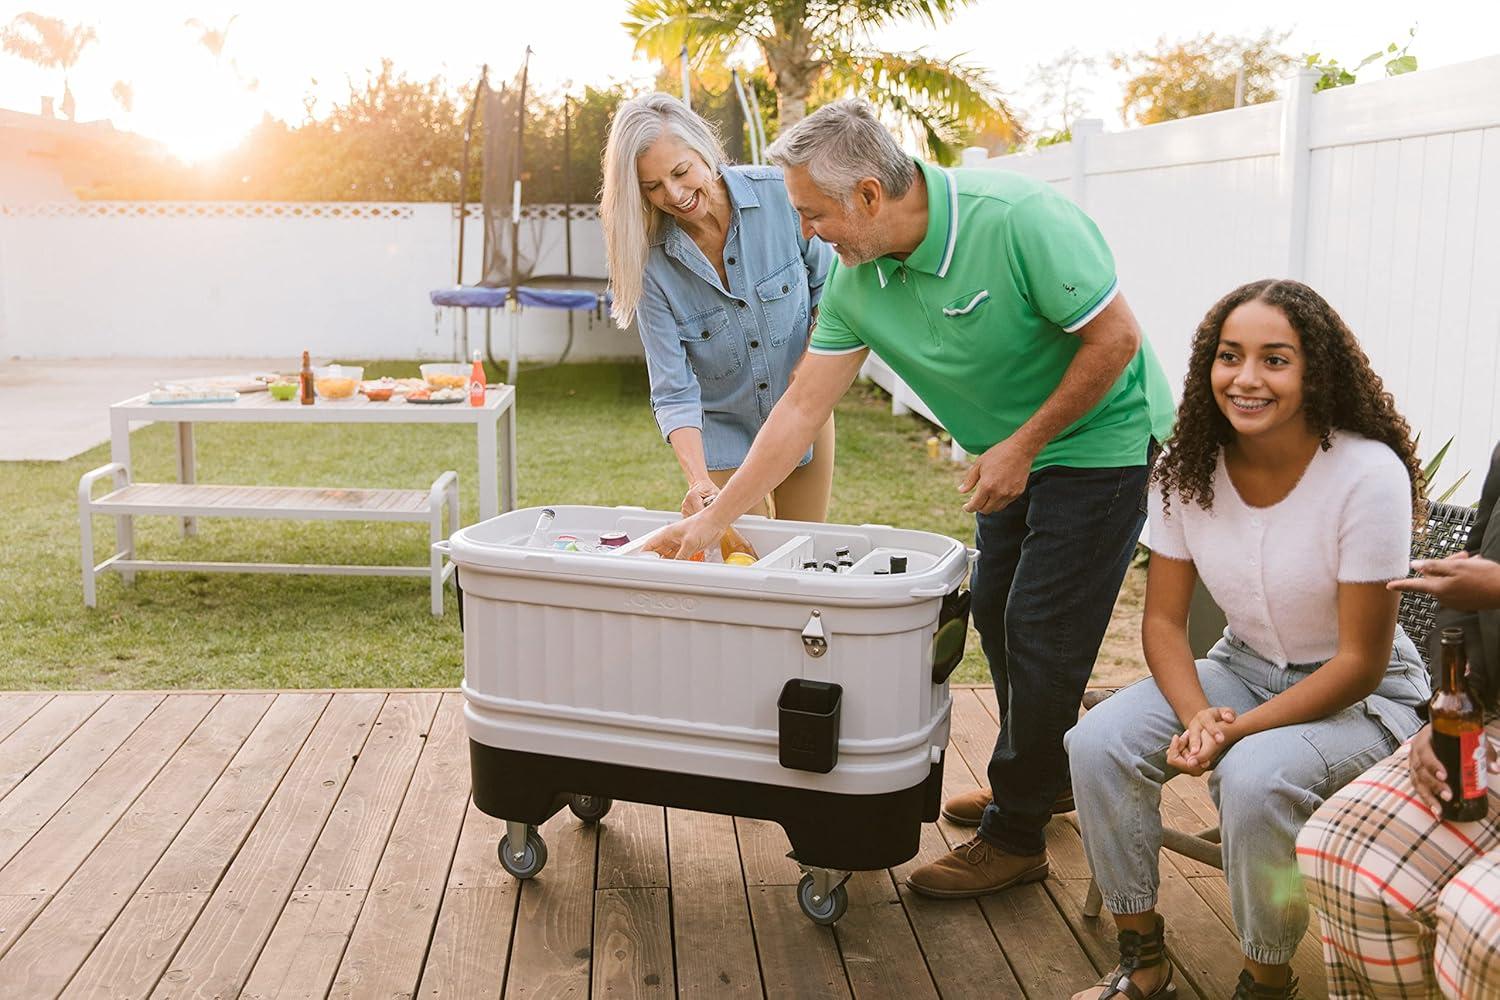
(446,376)
(337,381)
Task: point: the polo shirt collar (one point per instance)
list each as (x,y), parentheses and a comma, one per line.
(934,255)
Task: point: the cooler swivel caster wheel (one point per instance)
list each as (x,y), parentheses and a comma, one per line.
(826,908)
(590,808)
(532,857)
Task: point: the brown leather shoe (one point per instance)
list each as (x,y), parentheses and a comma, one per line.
(976,868)
(966,809)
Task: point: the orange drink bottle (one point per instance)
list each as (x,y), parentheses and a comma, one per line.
(476,382)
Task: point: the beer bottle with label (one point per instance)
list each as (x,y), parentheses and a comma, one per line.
(305,382)
(1458,734)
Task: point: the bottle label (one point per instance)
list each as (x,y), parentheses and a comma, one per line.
(1471,757)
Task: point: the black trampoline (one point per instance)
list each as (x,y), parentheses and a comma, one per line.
(509,261)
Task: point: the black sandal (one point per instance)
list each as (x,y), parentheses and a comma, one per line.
(1139,951)
(1248,989)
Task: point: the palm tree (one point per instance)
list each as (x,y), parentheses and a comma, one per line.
(212,39)
(124,94)
(824,47)
(48,42)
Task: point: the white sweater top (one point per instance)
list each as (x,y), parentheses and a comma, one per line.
(1275,570)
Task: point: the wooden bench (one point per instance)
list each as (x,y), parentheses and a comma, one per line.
(298,503)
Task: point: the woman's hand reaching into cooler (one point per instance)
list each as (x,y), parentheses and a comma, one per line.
(687,537)
(698,493)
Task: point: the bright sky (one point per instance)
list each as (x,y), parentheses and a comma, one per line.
(277,48)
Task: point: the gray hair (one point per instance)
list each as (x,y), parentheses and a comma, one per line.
(630,221)
(841,144)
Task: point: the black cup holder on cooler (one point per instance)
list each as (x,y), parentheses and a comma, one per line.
(952,633)
(808,725)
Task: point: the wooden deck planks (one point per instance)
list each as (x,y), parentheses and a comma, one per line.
(552,948)
(34,800)
(633,943)
(220,951)
(56,850)
(471,943)
(303,953)
(17,708)
(82,910)
(322,844)
(710,915)
(389,944)
(633,847)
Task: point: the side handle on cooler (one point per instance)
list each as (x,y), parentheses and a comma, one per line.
(952,631)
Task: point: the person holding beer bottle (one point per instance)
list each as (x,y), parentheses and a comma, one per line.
(1403,865)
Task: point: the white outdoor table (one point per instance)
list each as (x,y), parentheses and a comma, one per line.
(497,493)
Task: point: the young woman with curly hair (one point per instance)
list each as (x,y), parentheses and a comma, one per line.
(1288,487)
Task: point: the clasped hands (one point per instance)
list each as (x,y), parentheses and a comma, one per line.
(1203,740)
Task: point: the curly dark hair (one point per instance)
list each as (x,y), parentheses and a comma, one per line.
(1339,392)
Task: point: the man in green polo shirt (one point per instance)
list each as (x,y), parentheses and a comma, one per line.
(995,299)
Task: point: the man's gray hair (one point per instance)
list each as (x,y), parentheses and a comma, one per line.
(841,144)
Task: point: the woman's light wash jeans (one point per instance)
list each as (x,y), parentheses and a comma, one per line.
(1265,786)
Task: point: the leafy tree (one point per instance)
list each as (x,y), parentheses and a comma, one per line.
(391,139)
(1396,60)
(714,98)
(589,117)
(48,42)
(211,38)
(806,44)
(1193,77)
(1062,94)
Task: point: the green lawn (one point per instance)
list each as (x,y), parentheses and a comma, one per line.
(585,436)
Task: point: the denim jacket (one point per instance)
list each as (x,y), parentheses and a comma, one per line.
(719,360)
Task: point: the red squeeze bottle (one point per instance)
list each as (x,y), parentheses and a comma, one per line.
(476,382)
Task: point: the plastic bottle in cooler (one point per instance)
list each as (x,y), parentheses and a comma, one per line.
(538,537)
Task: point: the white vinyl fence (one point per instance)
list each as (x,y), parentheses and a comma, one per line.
(1383,196)
(268,279)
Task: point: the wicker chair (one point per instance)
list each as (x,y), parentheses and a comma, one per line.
(1445,532)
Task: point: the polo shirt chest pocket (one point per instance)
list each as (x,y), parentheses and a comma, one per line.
(966,316)
(712,348)
(783,301)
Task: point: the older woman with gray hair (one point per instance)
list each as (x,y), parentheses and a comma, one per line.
(710,262)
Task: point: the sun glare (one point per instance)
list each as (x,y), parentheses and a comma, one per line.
(195,142)
(194,106)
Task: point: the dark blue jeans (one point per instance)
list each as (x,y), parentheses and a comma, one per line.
(1049,569)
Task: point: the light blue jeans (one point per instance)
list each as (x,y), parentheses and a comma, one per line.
(1265,786)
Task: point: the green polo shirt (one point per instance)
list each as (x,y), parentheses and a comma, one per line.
(979,319)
